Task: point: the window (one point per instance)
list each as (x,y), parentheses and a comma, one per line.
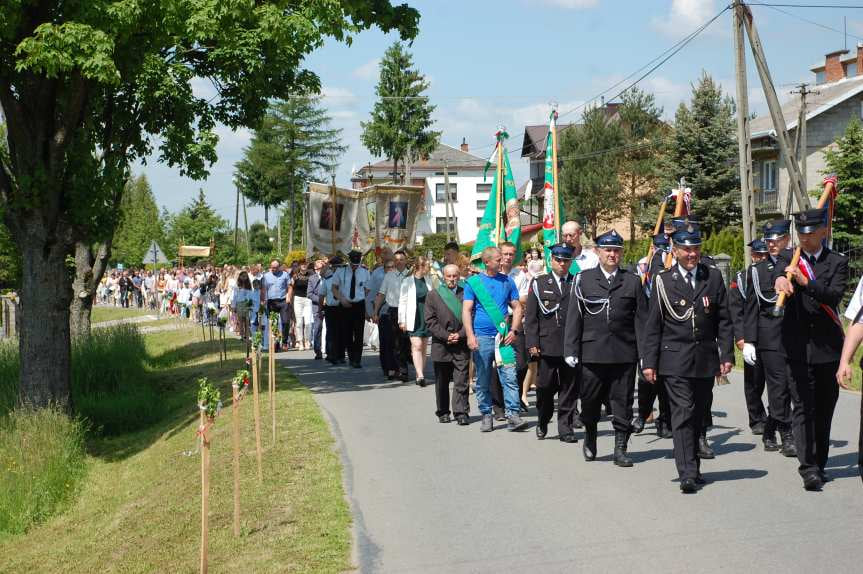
(768,176)
(537,169)
(478,222)
(851,69)
(820,77)
(439,192)
(483,188)
(440,224)
(440,173)
(480,204)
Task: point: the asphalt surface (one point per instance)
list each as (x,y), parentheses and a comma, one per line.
(431,497)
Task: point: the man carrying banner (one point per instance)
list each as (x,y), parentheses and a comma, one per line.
(762,334)
(812,336)
(688,339)
(490,336)
(449,350)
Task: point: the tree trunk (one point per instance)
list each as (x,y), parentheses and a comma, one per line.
(44,341)
(291,231)
(267,218)
(395,170)
(90,264)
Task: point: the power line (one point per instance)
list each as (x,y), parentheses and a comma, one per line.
(774,5)
(776,8)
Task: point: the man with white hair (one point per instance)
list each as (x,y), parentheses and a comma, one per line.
(582,258)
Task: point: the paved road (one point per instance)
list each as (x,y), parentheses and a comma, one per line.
(429,497)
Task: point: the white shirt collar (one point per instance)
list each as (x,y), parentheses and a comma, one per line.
(606,273)
(815,255)
(684,271)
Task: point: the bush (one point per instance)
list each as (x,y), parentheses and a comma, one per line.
(111,387)
(41,464)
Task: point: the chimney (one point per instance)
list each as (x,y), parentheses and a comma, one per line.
(464,147)
(833,69)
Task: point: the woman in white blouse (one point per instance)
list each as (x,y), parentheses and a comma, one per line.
(411,313)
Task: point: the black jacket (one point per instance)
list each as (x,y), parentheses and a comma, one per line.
(441,322)
(695,346)
(542,329)
(760,327)
(809,334)
(737,303)
(605,334)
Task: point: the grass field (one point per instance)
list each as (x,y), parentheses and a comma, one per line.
(138,509)
(103,313)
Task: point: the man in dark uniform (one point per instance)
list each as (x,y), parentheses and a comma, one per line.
(647,392)
(449,350)
(603,327)
(688,339)
(762,334)
(544,324)
(813,337)
(349,288)
(753,375)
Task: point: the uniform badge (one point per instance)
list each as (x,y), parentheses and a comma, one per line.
(682,302)
(706,302)
(549,281)
(546,303)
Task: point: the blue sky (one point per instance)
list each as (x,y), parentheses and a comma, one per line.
(501,62)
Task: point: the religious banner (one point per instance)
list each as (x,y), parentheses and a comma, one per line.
(337,220)
(397,210)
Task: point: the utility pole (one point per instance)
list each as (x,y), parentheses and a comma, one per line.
(446,199)
(795,184)
(246,227)
(744,139)
(237,218)
(407,180)
(279,231)
(802,147)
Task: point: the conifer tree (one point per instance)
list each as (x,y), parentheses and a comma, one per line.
(846,161)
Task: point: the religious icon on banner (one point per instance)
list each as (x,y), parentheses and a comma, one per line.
(326,219)
(398,215)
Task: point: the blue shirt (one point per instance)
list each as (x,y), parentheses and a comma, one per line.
(276,284)
(503,290)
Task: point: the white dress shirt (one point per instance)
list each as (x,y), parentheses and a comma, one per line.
(342,280)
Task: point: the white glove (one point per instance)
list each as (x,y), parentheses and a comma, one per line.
(571,361)
(749,354)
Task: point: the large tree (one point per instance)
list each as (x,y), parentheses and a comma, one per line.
(400,127)
(295,144)
(87,88)
(704,151)
(589,178)
(846,161)
(640,167)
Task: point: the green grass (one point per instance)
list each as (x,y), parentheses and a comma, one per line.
(41,464)
(103,313)
(138,509)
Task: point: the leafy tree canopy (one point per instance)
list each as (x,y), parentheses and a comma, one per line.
(846,161)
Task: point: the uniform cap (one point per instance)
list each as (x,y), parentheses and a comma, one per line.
(660,240)
(690,235)
(758,246)
(610,240)
(810,220)
(777,228)
(561,251)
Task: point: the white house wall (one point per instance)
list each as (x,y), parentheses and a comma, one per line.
(464,208)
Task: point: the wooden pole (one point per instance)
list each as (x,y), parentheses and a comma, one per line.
(779,308)
(678,211)
(333,214)
(556,196)
(272,379)
(256,395)
(205,492)
(782,138)
(235,416)
(656,229)
(744,139)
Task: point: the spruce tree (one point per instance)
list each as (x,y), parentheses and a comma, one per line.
(704,151)
(295,144)
(846,161)
(196,224)
(591,164)
(400,126)
(139,223)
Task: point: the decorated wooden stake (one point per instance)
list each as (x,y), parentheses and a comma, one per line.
(257,409)
(235,416)
(274,322)
(209,405)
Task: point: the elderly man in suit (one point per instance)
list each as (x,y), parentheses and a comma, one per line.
(449,350)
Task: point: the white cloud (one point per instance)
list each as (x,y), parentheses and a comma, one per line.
(342,114)
(335,96)
(570,4)
(685,16)
(367,71)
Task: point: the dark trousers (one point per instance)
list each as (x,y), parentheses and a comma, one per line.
(317,328)
(335,329)
(401,345)
(689,398)
(648,393)
(554,376)
(775,367)
(355,323)
(281,307)
(385,344)
(456,371)
(612,383)
(496,390)
(124,297)
(753,388)
(814,392)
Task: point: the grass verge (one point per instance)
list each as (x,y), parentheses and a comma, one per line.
(102,313)
(139,507)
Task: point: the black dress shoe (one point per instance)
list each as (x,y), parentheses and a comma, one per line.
(403,377)
(704,450)
(318,357)
(769,441)
(688,486)
(522,407)
(421,382)
(569,437)
(462,420)
(637,425)
(812,482)
(444,419)
(699,479)
(588,449)
(576,423)
(825,478)
(758,428)
(357,365)
(541,430)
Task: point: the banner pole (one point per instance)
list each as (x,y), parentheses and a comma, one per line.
(333,213)
(499,191)
(554,172)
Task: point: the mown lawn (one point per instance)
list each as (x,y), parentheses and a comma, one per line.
(103,313)
(139,506)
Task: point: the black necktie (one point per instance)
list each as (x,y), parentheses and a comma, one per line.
(809,258)
(610,279)
(353,290)
(689,280)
